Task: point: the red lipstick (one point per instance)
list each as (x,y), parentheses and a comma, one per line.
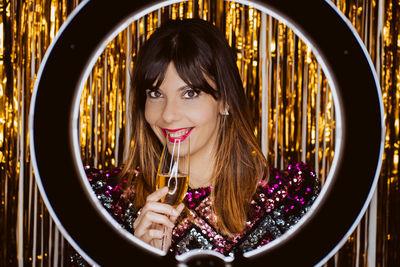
(178,138)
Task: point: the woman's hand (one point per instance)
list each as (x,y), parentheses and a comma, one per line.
(156,220)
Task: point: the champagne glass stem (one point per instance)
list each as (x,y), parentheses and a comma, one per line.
(163,240)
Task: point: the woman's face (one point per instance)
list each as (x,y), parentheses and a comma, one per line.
(180,111)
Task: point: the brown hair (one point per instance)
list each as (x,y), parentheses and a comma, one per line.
(199,52)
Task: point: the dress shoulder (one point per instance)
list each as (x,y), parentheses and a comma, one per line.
(106,184)
(289,194)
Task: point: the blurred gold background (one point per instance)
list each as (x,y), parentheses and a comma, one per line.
(286,88)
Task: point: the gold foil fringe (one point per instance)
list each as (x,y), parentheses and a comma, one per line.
(289,96)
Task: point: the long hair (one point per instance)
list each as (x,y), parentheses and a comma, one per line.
(200,53)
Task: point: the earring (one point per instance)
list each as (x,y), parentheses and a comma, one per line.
(225,112)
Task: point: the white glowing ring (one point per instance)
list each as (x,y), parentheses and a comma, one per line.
(93,232)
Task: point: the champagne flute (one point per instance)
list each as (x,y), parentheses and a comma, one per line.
(173,170)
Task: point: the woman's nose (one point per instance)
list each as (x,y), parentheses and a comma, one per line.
(171,111)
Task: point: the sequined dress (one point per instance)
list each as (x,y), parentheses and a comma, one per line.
(276,206)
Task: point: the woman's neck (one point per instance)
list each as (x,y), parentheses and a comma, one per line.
(201,171)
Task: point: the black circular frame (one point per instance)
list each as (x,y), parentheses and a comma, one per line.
(90,229)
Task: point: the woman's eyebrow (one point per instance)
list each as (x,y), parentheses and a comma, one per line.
(153,88)
(184,87)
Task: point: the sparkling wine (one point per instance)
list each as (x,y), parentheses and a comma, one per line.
(177,185)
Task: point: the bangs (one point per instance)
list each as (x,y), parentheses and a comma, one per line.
(154,74)
(197,78)
(194,62)
(193,65)
(194,76)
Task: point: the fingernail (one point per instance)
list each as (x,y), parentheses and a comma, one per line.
(180,207)
(175,212)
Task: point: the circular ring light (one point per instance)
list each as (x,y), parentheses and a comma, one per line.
(82,220)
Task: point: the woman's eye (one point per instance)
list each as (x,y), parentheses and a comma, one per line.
(153,94)
(191,93)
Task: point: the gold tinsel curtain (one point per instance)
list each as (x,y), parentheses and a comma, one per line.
(286,88)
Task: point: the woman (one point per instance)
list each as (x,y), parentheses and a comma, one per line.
(186,82)
(186,77)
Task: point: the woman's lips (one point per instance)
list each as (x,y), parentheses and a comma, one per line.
(177,134)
